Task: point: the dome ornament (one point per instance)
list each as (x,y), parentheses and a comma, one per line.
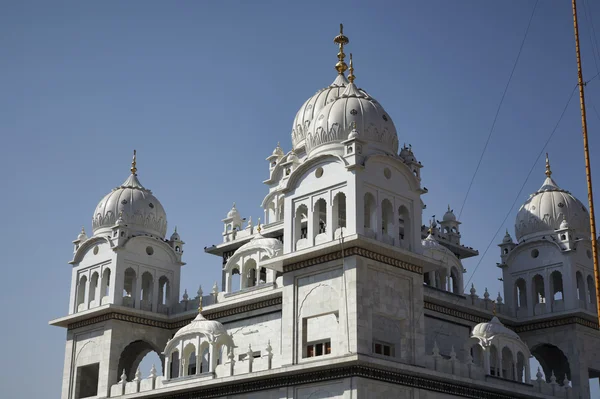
(341,40)
(548,171)
(351,76)
(134,163)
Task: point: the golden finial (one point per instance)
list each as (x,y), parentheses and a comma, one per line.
(341,40)
(134,163)
(351,76)
(548,171)
(200,305)
(258,228)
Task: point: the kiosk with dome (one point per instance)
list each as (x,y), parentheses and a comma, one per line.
(342,291)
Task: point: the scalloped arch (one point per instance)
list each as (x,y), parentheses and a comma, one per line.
(87,244)
(305,167)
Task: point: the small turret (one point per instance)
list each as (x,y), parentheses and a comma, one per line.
(119,232)
(80,239)
(450,226)
(506,247)
(232,224)
(176,243)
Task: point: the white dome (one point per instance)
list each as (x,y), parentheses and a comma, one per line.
(430,244)
(493,328)
(353,109)
(449,216)
(211,329)
(507,238)
(233,212)
(545,210)
(140,210)
(312,106)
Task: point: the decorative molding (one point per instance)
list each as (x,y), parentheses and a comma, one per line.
(365,253)
(399,377)
(216,314)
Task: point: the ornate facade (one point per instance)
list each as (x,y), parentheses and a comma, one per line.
(342,292)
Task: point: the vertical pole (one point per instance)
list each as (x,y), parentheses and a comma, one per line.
(588,170)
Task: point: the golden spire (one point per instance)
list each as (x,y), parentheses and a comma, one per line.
(258,228)
(341,40)
(134,163)
(548,171)
(200,305)
(351,76)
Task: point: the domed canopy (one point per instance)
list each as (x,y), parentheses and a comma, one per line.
(449,216)
(211,329)
(507,238)
(141,211)
(493,328)
(430,244)
(546,209)
(353,109)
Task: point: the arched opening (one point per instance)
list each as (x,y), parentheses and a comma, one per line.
(580,289)
(189,354)
(280,209)
(339,214)
(174,364)
(494,366)
(93,289)
(404,228)
(521,297)
(271,214)
(539,295)
(521,364)
(301,227)
(205,359)
(129,288)
(149,360)
(146,292)
(320,221)
(552,359)
(235,280)
(250,273)
(81,294)
(507,364)
(387,217)
(163,291)
(454,281)
(557,291)
(591,292)
(132,356)
(370,215)
(262,276)
(477,355)
(105,282)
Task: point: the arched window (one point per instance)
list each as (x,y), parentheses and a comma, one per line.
(129,288)
(320,217)
(93,288)
(146,292)
(164,291)
(521,364)
(301,226)
(557,285)
(404,227)
(250,273)
(189,354)
(454,281)
(235,280)
(174,366)
(81,293)
(507,364)
(591,291)
(520,294)
(105,282)
(205,360)
(387,217)
(539,293)
(339,214)
(580,289)
(370,212)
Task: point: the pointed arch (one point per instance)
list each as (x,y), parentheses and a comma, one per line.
(105,290)
(132,356)
(339,214)
(80,304)
(301,227)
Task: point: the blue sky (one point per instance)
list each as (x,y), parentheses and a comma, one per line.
(205,90)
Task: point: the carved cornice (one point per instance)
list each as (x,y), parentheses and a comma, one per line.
(365,253)
(520,328)
(399,377)
(170,325)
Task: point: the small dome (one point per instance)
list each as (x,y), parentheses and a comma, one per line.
(82,236)
(547,208)
(564,224)
(209,328)
(311,108)
(278,151)
(507,238)
(407,154)
(233,212)
(175,236)
(449,215)
(353,109)
(135,205)
(493,328)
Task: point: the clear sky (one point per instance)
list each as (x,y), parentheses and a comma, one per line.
(204,90)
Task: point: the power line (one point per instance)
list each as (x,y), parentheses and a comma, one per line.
(498,110)
(592,34)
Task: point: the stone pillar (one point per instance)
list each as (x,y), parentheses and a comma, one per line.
(212,357)
(329,221)
(527,372)
(310,225)
(86,297)
(167,367)
(154,294)
(227,282)
(137,291)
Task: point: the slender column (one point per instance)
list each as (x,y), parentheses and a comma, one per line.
(310,222)
(86,297)
(329,221)
(155,294)
(227,281)
(527,372)
(167,367)
(137,291)
(212,364)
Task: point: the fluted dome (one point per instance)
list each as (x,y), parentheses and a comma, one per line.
(546,209)
(312,106)
(493,328)
(353,109)
(200,325)
(139,209)
(431,248)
